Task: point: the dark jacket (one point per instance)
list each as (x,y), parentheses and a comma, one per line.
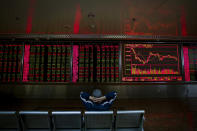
(104,106)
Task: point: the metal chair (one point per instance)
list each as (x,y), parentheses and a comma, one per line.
(129,120)
(35,120)
(9,121)
(98,120)
(67,120)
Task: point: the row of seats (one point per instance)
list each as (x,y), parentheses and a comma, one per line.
(72,120)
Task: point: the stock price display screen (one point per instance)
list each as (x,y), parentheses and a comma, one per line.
(96,63)
(151,62)
(10,62)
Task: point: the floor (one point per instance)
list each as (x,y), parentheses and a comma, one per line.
(160,114)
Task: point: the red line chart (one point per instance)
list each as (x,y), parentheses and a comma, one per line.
(149,62)
(159,56)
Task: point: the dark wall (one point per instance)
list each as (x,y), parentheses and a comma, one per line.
(61,91)
(131,17)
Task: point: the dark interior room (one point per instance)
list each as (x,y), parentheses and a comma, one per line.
(115,65)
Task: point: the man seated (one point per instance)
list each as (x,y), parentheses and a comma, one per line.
(97,102)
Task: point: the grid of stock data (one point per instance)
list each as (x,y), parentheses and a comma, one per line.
(192,63)
(50,63)
(98,63)
(10,62)
(93,62)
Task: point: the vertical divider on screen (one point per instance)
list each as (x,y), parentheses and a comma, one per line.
(51,62)
(3,63)
(7,62)
(79,74)
(114,64)
(26,63)
(110,67)
(92,64)
(40,62)
(108,61)
(105,63)
(35,60)
(97,48)
(58,62)
(89,59)
(31,69)
(185,64)
(12,64)
(84,64)
(49,56)
(120,61)
(65,64)
(56,52)
(101,55)
(94,51)
(45,73)
(1,59)
(182,62)
(71,61)
(16,67)
(22,63)
(61,62)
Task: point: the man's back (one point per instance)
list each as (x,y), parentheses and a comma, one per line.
(102,103)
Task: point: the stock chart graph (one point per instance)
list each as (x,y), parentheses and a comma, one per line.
(149,62)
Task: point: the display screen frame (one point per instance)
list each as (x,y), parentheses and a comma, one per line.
(166,77)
